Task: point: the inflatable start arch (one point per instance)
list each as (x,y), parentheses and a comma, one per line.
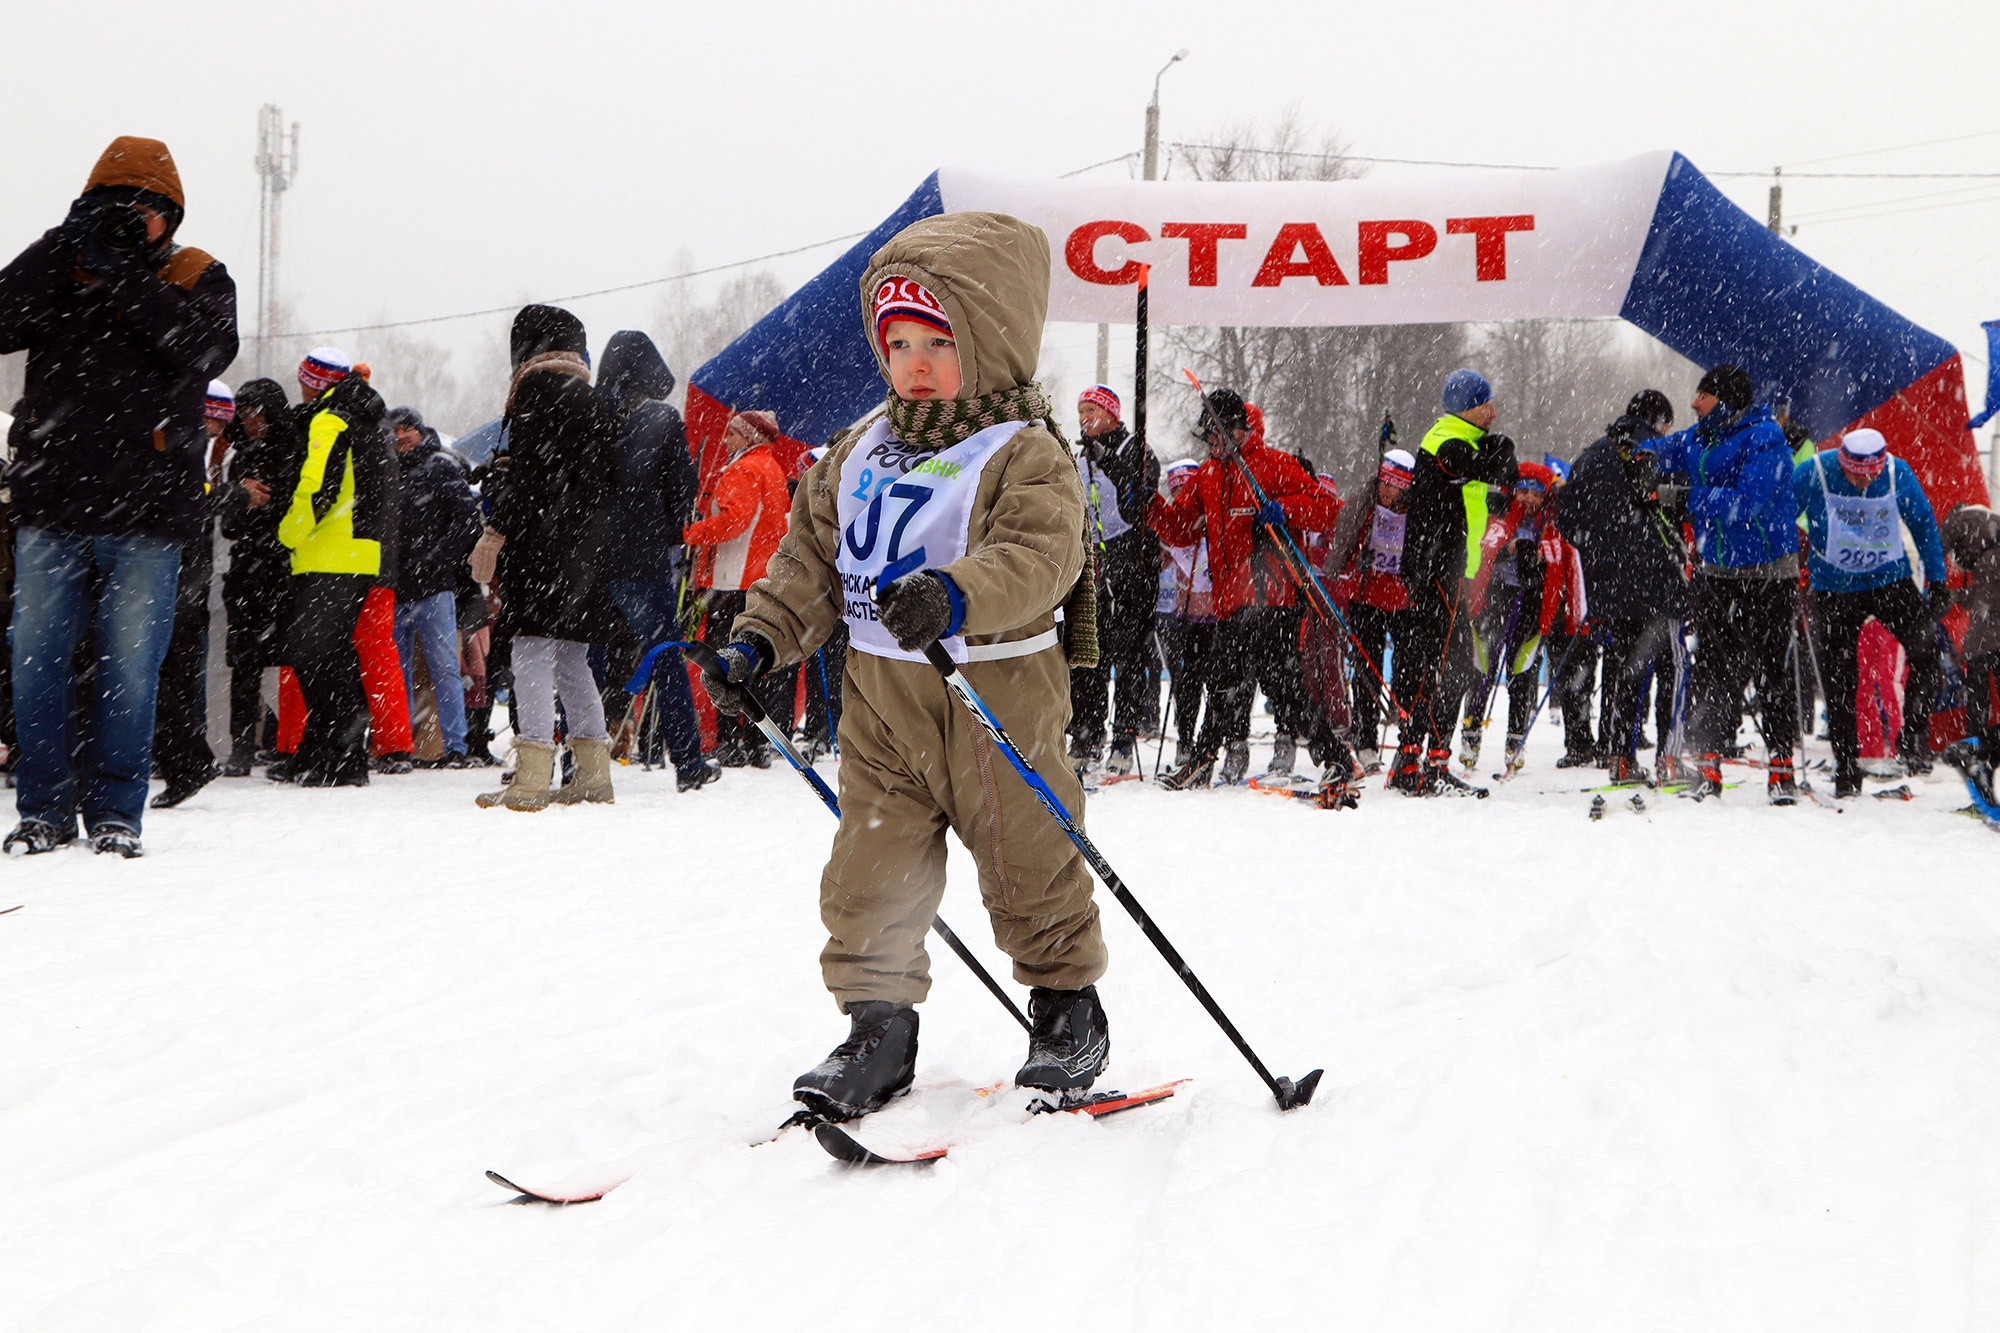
(1649,239)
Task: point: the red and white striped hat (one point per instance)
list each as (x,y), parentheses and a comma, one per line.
(323,368)
(906,298)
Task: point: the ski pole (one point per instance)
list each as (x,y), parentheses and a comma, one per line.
(1166,717)
(1288,1093)
(1295,562)
(705,658)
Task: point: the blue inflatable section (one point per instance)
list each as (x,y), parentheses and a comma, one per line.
(1716,285)
(810,353)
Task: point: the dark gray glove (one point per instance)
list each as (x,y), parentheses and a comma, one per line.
(742,664)
(916,609)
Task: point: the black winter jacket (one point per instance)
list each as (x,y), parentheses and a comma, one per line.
(656,482)
(257,585)
(1632,560)
(440,522)
(1434,536)
(108,439)
(552,502)
(1131,560)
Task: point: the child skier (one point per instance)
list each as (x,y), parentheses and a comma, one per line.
(960,486)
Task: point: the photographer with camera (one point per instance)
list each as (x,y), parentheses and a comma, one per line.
(123,329)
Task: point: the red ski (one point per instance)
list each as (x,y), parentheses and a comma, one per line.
(844,1146)
(541,1196)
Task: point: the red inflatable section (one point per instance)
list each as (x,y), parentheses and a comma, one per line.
(1925,427)
(707,419)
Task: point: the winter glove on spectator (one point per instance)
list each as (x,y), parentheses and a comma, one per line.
(736,668)
(1272,513)
(918,608)
(485,561)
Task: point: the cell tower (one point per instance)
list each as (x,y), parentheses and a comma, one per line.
(277,164)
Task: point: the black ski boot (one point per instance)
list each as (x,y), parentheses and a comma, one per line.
(876,1063)
(1407,773)
(1070,1043)
(1439,780)
(1194,775)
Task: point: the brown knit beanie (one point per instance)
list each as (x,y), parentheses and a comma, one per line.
(754,427)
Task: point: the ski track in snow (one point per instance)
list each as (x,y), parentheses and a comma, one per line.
(1715,1067)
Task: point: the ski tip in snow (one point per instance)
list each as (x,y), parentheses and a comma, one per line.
(540,1196)
(844,1146)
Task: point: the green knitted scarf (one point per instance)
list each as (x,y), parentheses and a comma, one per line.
(939,423)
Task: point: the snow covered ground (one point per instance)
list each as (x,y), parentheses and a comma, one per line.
(1717,1067)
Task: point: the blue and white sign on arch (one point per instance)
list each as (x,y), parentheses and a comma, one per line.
(1648,239)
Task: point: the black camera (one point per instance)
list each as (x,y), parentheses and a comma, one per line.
(121,226)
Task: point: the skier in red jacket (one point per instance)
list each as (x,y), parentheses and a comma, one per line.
(1219,505)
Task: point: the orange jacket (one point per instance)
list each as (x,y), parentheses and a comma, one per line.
(743,518)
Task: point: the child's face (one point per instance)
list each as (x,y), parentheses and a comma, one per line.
(923,363)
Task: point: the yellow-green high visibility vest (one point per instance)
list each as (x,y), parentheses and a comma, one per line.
(1452,427)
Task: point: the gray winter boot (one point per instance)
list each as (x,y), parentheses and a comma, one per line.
(1235,762)
(535,763)
(593,774)
(1284,756)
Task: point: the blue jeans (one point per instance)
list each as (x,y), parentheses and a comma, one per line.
(433,623)
(648,606)
(120,590)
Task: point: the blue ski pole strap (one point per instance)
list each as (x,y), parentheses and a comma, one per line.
(644,671)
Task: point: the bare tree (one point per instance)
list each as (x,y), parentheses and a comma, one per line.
(690,330)
(1324,392)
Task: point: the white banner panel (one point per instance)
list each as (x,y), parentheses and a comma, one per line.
(1476,245)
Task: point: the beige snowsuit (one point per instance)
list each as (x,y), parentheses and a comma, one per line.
(913,759)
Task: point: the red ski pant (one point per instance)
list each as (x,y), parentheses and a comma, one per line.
(381,680)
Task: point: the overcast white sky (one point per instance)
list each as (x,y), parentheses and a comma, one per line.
(458,156)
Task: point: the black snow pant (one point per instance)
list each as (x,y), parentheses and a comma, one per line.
(1639,654)
(180,718)
(256,598)
(1837,619)
(1279,671)
(1188,644)
(1126,660)
(1428,682)
(1373,628)
(319,647)
(1743,633)
(1982,703)
(1572,688)
(1246,646)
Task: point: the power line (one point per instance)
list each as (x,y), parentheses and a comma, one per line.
(585,296)
(1522,166)
(1899,148)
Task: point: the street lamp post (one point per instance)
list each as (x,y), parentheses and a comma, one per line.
(1153,118)
(1152,161)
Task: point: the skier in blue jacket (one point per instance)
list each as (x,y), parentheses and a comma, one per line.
(1857,500)
(1738,469)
